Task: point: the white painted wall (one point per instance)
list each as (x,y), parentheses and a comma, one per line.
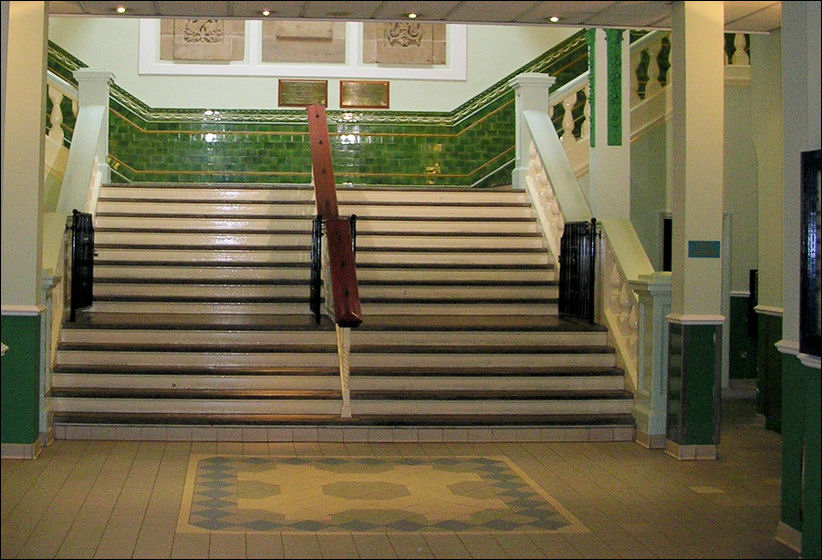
(493,52)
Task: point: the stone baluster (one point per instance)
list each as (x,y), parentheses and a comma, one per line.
(568,138)
(56,117)
(636,62)
(653,84)
(585,129)
(740,56)
(621,312)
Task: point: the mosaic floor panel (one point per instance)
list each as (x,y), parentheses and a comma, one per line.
(366,494)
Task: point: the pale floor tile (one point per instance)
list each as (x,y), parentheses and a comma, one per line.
(255,448)
(410,545)
(233,447)
(589,545)
(337,545)
(334,449)
(156,540)
(517,545)
(446,545)
(227,545)
(119,539)
(52,527)
(190,545)
(90,523)
(264,545)
(299,545)
(281,448)
(553,545)
(374,545)
(482,545)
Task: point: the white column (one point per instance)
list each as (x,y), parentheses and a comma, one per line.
(23,154)
(698,94)
(610,155)
(531,94)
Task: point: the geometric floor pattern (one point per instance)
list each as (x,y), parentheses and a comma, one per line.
(226,493)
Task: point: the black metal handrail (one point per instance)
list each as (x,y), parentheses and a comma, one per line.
(315,296)
(316,267)
(82,262)
(577,270)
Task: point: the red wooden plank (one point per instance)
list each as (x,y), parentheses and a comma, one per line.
(343,273)
(324,185)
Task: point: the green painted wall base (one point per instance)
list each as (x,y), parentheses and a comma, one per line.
(769,370)
(694,384)
(800,421)
(20,396)
(742,343)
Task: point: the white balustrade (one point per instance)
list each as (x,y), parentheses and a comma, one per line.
(619,310)
(545,202)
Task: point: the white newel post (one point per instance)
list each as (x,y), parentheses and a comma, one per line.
(93,86)
(531,94)
(87,164)
(651,397)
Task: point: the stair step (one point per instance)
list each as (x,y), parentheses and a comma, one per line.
(201,320)
(336,421)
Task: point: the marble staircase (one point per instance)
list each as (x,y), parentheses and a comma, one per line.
(201,328)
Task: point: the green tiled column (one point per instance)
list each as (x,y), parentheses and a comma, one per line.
(742,338)
(769,367)
(694,378)
(800,416)
(20,384)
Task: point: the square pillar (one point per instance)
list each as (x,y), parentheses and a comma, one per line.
(696,320)
(531,94)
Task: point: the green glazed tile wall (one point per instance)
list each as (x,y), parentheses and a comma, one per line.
(472,144)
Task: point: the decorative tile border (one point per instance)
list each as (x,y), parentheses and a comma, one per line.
(225,493)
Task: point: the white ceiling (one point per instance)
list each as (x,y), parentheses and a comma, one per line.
(748,17)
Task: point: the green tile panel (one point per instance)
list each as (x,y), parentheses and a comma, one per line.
(473,142)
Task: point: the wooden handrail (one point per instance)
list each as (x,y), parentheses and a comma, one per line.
(338,230)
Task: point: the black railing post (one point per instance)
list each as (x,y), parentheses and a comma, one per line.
(316,267)
(82,262)
(352,219)
(577,270)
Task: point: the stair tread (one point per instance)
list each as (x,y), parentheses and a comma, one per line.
(451,420)
(198,321)
(152,393)
(194,370)
(206,347)
(486,394)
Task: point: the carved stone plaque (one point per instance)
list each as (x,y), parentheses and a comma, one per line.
(202,39)
(404,43)
(303,41)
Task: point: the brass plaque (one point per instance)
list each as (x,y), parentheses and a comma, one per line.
(300,93)
(363,95)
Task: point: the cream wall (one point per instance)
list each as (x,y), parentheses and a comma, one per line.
(493,52)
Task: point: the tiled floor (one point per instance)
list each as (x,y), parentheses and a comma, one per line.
(122,499)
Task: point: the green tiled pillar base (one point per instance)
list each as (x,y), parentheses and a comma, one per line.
(694,387)
(769,370)
(20,384)
(742,339)
(800,421)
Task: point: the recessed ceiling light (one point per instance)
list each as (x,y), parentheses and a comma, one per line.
(553,19)
(120,9)
(266,13)
(412,15)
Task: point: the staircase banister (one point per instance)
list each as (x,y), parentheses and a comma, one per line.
(554,160)
(67,88)
(562,92)
(630,254)
(648,38)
